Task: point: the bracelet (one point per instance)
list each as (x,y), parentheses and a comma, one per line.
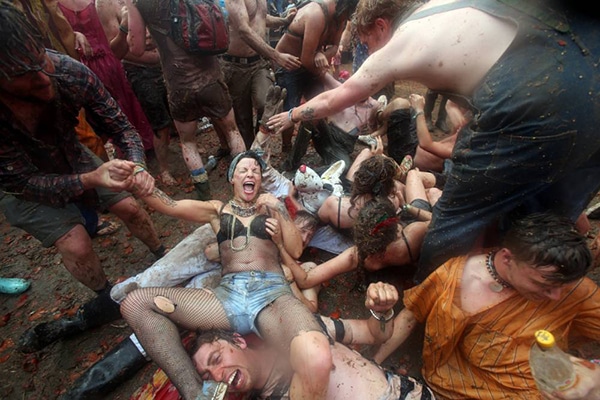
(385,317)
(406,207)
(138,169)
(290,116)
(123,29)
(417,114)
(379,115)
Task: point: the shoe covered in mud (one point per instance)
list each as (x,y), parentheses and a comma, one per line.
(211,163)
(13,285)
(202,191)
(98,311)
(204,125)
(118,365)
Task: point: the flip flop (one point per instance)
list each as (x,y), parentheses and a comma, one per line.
(106,227)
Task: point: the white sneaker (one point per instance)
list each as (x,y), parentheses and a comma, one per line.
(368,140)
(204,125)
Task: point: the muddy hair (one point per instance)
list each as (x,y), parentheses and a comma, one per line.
(374,177)
(212,336)
(304,216)
(375,228)
(20,42)
(547,239)
(368,11)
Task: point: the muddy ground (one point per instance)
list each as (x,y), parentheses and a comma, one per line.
(53,293)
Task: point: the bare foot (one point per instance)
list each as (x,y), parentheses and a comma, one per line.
(167,179)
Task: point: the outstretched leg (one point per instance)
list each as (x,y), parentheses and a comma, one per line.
(155,314)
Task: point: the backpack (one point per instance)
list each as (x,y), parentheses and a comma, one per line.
(198,26)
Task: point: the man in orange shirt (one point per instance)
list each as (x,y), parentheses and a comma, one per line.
(481,311)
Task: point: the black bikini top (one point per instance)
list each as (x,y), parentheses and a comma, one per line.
(257,227)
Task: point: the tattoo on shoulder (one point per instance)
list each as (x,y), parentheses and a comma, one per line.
(162,196)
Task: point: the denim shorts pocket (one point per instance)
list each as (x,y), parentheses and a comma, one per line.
(525,159)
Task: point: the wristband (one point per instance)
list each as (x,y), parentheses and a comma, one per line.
(386,317)
(417,114)
(290,116)
(123,29)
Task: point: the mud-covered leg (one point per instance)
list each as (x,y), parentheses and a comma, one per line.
(155,313)
(288,324)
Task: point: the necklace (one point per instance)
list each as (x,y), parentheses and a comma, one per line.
(232,234)
(499,284)
(242,211)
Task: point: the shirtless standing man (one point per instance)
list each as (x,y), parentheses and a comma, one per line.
(245,65)
(145,76)
(195,86)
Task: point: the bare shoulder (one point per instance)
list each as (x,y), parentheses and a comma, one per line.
(440,53)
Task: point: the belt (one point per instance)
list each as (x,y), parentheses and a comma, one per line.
(241,60)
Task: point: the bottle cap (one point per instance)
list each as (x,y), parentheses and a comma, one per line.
(544,339)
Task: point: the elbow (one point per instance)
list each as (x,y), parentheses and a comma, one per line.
(245,33)
(295,253)
(138,52)
(135,48)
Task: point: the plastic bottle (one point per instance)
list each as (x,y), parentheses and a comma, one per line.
(551,367)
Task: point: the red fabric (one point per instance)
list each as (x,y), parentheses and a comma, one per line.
(109,69)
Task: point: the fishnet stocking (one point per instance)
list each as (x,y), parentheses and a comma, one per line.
(284,319)
(195,309)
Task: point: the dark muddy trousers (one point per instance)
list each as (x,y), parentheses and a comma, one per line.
(533,144)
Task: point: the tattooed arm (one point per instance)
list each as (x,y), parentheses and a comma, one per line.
(292,239)
(190,210)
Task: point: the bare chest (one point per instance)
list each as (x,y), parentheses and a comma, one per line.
(476,291)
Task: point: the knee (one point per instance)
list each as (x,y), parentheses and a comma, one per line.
(132,306)
(312,352)
(129,210)
(75,244)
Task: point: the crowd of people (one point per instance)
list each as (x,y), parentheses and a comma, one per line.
(488,218)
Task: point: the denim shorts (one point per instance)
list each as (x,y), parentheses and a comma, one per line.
(245,294)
